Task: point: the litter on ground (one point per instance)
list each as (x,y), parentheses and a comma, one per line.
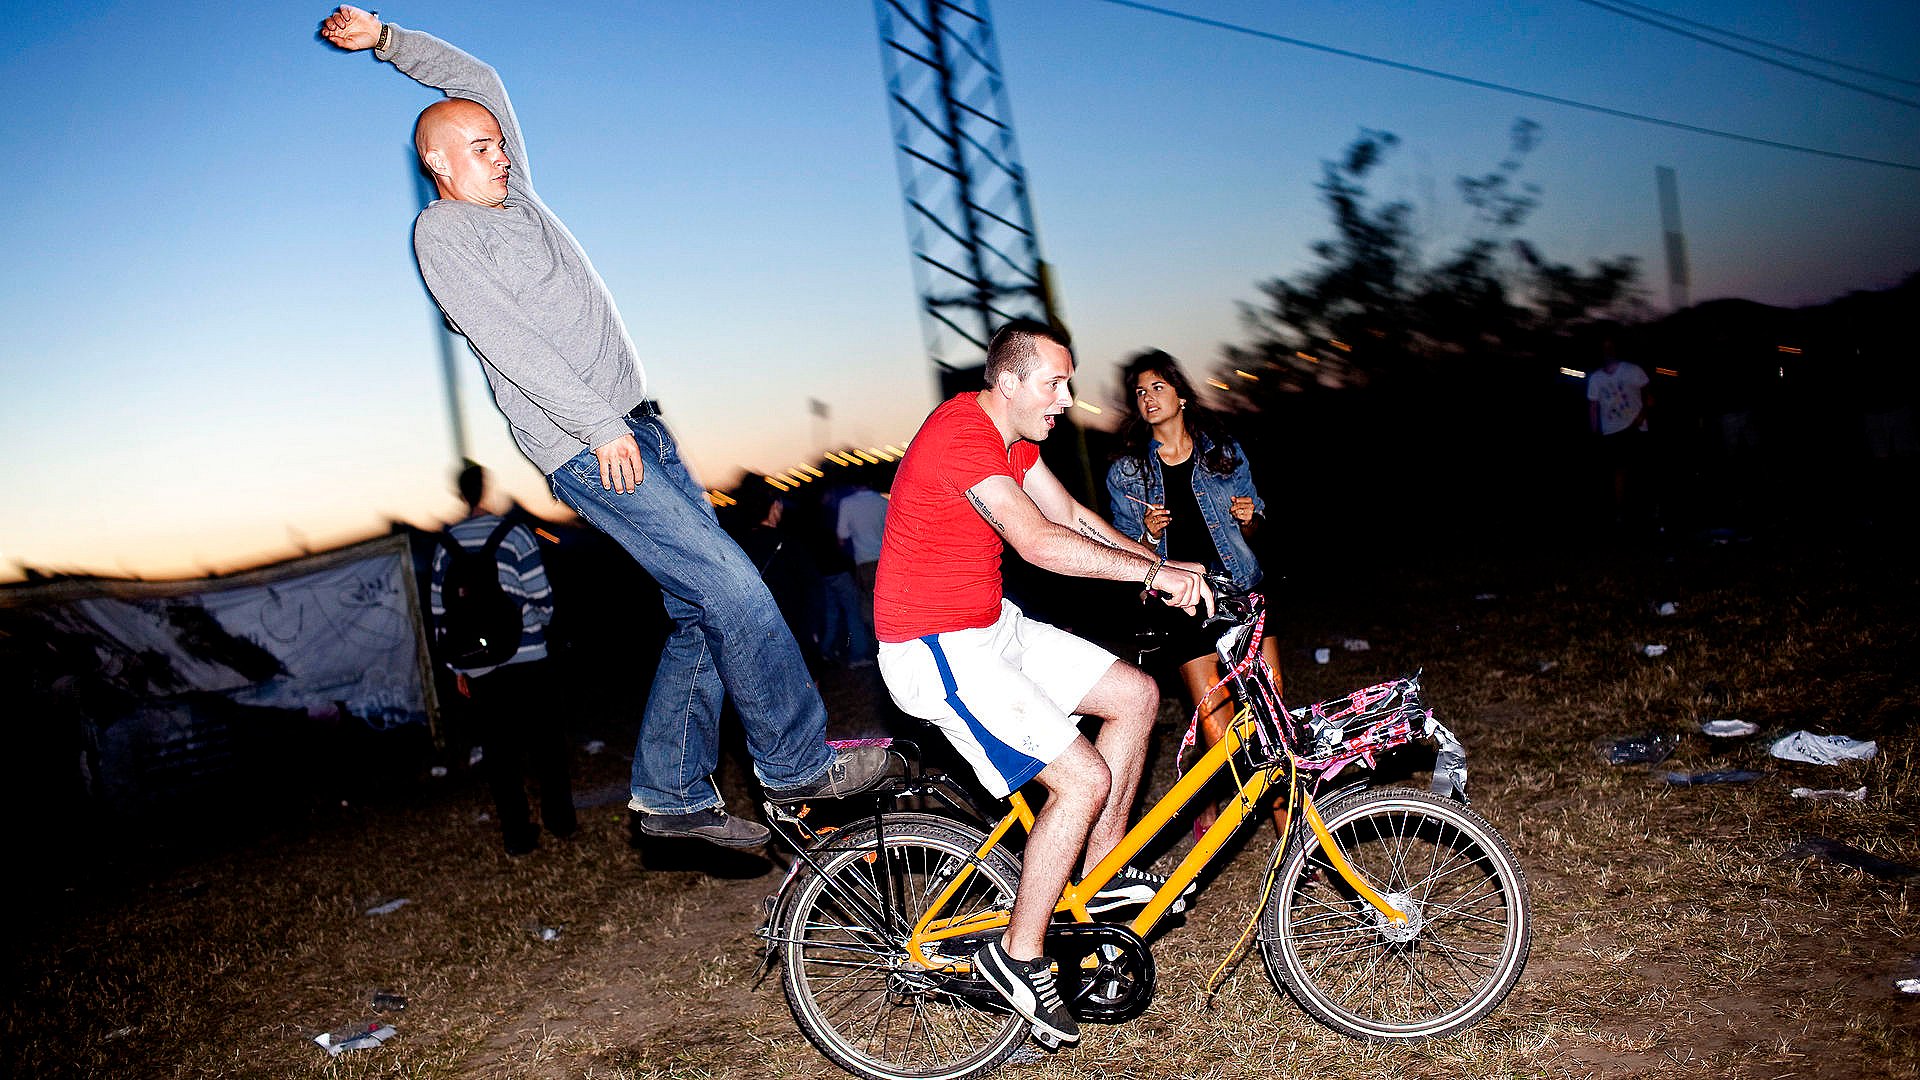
(1648,749)
(1822,749)
(1858,794)
(336,1043)
(1727,729)
(1819,847)
(389,907)
(1719,776)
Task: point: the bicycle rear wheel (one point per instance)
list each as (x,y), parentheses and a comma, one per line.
(1457,956)
(853,989)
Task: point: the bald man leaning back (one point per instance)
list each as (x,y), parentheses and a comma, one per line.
(511,279)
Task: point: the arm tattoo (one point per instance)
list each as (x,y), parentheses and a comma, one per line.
(1087,530)
(986,513)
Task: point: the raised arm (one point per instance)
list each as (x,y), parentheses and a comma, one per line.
(432,62)
(1054,546)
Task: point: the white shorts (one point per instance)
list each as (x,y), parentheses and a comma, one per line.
(1004,695)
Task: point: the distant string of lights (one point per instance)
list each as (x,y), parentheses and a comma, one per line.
(1467,80)
(789,479)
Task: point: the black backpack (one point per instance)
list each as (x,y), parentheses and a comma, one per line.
(482,624)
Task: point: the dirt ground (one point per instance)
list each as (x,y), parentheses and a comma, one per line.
(1676,931)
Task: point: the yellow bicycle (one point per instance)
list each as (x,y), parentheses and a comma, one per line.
(1388,914)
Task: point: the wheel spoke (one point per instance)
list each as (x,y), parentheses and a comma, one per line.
(855,991)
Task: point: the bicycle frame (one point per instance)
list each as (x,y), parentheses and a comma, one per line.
(932,928)
(877,943)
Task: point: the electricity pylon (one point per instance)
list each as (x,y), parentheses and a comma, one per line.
(976,255)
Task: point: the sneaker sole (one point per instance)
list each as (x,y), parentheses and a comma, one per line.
(1001,979)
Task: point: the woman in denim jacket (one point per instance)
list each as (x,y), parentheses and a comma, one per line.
(1181,485)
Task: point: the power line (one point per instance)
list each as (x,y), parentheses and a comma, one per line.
(1775,46)
(1513,90)
(1750,54)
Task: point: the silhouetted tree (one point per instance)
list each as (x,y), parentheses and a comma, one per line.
(1375,310)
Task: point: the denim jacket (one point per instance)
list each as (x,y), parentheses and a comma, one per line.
(1213,493)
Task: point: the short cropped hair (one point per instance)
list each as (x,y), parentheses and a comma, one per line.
(1012,347)
(472,484)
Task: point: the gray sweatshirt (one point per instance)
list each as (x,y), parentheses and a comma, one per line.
(514,281)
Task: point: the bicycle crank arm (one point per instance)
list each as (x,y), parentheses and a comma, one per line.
(1106,971)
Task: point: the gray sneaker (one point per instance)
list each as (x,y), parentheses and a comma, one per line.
(854,770)
(713,825)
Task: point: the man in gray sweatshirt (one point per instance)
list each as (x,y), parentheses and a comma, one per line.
(512,279)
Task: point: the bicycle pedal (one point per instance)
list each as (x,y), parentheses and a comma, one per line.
(1046,1039)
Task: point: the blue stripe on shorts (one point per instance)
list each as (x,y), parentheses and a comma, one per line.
(1013,766)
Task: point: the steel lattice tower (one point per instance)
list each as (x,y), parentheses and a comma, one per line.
(976,256)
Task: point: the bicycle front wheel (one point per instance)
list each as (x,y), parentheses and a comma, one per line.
(852,987)
(1447,966)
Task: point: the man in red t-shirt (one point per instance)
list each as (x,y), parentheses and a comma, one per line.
(1004,689)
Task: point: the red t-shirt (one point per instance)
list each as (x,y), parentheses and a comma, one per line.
(939,559)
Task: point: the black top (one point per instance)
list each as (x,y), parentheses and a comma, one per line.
(1187,537)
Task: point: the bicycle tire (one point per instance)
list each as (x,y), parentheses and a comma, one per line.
(1353,970)
(852,988)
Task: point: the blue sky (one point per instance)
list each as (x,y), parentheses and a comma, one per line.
(217,349)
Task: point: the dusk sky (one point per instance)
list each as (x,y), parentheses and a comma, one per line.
(217,351)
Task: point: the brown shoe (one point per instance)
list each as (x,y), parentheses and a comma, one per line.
(855,769)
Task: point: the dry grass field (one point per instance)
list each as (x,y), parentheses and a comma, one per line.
(1675,932)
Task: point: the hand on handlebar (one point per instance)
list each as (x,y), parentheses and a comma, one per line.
(1231,604)
(1184,585)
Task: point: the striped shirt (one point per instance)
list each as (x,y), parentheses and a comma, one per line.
(522,576)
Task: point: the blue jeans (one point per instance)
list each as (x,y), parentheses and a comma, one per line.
(845,636)
(727,637)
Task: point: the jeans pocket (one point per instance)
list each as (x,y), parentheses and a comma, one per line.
(584,467)
(662,440)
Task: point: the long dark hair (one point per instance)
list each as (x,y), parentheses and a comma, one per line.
(1210,438)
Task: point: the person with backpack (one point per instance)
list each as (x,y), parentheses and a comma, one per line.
(491,604)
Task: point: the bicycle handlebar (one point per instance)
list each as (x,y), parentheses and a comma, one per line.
(1231,604)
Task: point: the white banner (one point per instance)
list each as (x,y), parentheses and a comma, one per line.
(332,632)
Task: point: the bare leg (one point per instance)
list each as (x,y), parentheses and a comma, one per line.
(1077,784)
(1199,674)
(1202,673)
(1125,699)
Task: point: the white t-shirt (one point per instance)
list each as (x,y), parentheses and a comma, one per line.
(1617,392)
